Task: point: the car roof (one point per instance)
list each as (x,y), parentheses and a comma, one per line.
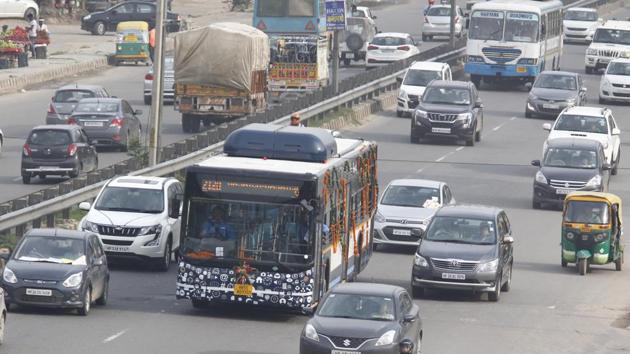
(416,183)
(581,9)
(427,65)
(58,233)
(558,73)
(447,83)
(373,289)
(66,127)
(442,5)
(392,34)
(80,87)
(573,143)
(101,99)
(615,24)
(140,182)
(469,210)
(620,60)
(585,111)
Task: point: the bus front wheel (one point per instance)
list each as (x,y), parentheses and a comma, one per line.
(476,80)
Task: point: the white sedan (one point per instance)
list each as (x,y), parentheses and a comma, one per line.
(387,48)
(592,123)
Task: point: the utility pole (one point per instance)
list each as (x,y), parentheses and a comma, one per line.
(155,116)
(335,62)
(452,36)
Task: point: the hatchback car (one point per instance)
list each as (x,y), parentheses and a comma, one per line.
(406,208)
(568,165)
(66,98)
(614,85)
(57,150)
(415,81)
(465,248)
(437,22)
(106,21)
(108,121)
(553,91)
(387,48)
(169,82)
(59,269)
(364,318)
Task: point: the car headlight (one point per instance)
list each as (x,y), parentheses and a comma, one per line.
(420,261)
(387,338)
(540,178)
(90,226)
(591,51)
(605,82)
(465,117)
(87,17)
(600,237)
(594,182)
(379,217)
(419,114)
(402,94)
(571,102)
(310,332)
(532,97)
(570,235)
(150,230)
(488,267)
(73,281)
(9,276)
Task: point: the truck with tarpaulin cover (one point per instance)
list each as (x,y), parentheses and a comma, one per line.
(220,73)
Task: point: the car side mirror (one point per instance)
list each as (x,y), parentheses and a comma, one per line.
(85,206)
(478,104)
(399,79)
(309,311)
(616,131)
(374,17)
(137,112)
(98,261)
(547,127)
(409,318)
(606,166)
(175,207)
(508,239)
(583,89)
(536,163)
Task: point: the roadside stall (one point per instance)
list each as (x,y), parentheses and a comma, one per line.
(13,46)
(41,45)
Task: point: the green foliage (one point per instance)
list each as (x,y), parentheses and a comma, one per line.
(138,151)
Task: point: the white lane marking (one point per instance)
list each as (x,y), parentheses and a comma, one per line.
(111,338)
(498,127)
(459,148)
(420,170)
(512,118)
(445,156)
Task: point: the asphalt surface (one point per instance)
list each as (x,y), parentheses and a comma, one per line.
(549,309)
(23,111)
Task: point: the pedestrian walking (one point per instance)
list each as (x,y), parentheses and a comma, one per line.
(295,120)
(152,44)
(32,32)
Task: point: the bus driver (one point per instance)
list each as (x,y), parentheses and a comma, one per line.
(217,227)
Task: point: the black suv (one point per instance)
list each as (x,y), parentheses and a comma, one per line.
(449,109)
(101,22)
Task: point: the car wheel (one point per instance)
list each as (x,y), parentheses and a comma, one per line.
(30,11)
(26,179)
(147,100)
(495,295)
(1,144)
(414,139)
(75,173)
(417,292)
(425,38)
(87,302)
(563,263)
(346,62)
(615,166)
(528,114)
(419,344)
(588,70)
(399,114)
(478,136)
(602,100)
(476,80)
(582,266)
(471,140)
(165,260)
(125,146)
(508,284)
(98,28)
(536,204)
(199,304)
(102,301)
(619,262)
(3,321)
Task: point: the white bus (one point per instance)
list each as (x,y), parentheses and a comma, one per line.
(510,39)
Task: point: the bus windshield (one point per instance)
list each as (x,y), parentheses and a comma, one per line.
(496,26)
(285,8)
(521,27)
(487,25)
(614,36)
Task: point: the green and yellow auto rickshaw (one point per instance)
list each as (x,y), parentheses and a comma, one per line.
(592,230)
(132,44)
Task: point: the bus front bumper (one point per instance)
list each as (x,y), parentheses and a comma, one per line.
(499,70)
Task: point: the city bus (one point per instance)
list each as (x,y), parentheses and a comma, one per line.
(513,40)
(281,216)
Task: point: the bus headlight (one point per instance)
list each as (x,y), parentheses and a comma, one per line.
(600,237)
(527,61)
(570,235)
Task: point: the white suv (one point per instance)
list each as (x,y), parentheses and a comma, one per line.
(594,123)
(415,81)
(610,41)
(137,217)
(615,83)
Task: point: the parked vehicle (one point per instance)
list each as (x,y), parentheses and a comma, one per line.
(593,123)
(465,248)
(389,47)
(366,318)
(66,98)
(1,140)
(449,109)
(568,165)
(59,150)
(406,208)
(592,230)
(169,82)
(18,9)
(213,85)
(553,91)
(59,269)
(437,22)
(365,12)
(105,21)
(108,121)
(132,43)
(415,81)
(137,218)
(354,40)
(610,41)
(614,85)
(580,24)
(3,315)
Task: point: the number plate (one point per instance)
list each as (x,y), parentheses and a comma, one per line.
(441,130)
(551,106)
(521,69)
(402,232)
(243,290)
(92,124)
(130,38)
(563,191)
(453,276)
(349,55)
(116,248)
(39,292)
(343,352)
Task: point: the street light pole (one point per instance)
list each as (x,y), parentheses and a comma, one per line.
(155,116)
(335,62)
(452,36)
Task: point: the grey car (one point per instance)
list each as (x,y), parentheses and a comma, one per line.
(553,91)
(465,248)
(108,121)
(405,209)
(169,83)
(364,318)
(66,98)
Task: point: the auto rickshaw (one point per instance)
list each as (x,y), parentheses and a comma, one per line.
(132,44)
(591,230)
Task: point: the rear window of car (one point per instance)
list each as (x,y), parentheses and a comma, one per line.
(49,137)
(72,95)
(439,11)
(389,41)
(96,107)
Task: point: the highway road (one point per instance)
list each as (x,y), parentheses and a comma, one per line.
(23,111)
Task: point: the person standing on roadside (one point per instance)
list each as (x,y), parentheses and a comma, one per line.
(32,32)
(426,9)
(295,120)
(152,44)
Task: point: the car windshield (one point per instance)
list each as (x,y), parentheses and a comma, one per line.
(134,200)
(557,82)
(618,68)
(439,11)
(411,196)
(486,25)
(462,230)
(67,96)
(96,107)
(357,306)
(420,77)
(587,212)
(577,15)
(583,124)
(49,137)
(613,36)
(388,41)
(52,250)
(447,95)
(521,27)
(570,158)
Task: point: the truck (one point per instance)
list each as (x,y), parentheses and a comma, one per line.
(215,79)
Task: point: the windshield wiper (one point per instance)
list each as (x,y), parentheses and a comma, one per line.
(43,261)
(449,241)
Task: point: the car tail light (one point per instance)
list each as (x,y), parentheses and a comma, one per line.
(116,122)
(51,108)
(404,47)
(372,47)
(148,77)
(71,120)
(72,149)
(26,150)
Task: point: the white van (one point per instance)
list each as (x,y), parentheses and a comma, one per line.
(18,9)
(580,24)
(610,41)
(414,82)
